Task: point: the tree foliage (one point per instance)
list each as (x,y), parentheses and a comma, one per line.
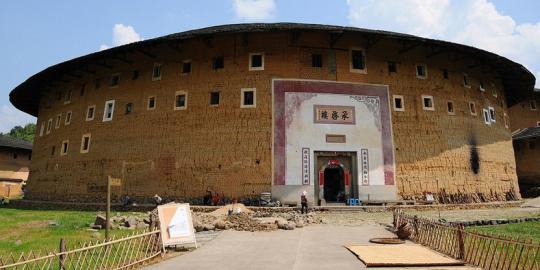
(26,133)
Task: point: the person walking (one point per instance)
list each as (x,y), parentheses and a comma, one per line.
(303,201)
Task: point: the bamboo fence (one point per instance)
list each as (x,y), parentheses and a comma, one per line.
(122,253)
(487,251)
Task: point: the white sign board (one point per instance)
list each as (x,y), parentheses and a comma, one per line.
(176,224)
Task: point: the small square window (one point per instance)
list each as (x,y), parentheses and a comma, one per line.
(151,103)
(218,62)
(180,100)
(85,143)
(97,83)
(129,108)
(248,98)
(466,82)
(485,113)
(53,148)
(358,61)
(156,72)
(445,74)
(316,60)
(108,111)
(481,86)
(533,105)
(214,98)
(427,103)
(472,108)
(90,112)
(64,149)
(256,61)
(49,126)
(421,71)
(392,67)
(135,75)
(398,103)
(58,120)
(83,88)
(492,114)
(186,67)
(115,80)
(450,107)
(67,97)
(68,118)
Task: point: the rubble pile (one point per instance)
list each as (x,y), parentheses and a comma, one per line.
(238,217)
(229,217)
(118,222)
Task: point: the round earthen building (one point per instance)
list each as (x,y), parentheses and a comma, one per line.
(339,112)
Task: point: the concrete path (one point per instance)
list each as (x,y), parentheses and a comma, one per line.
(312,247)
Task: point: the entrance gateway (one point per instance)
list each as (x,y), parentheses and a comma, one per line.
(336,172)
(332,140)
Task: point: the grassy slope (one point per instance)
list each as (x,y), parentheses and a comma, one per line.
(525,230)
(25,230)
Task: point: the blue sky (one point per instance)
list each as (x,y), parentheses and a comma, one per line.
(36,34)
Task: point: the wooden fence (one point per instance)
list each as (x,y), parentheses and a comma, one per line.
(487,251)
(122,253)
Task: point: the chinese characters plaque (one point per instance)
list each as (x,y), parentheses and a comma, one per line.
(333,114)
(364,158)
(305,166)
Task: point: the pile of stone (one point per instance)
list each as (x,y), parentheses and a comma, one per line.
(119,222)
(238,217)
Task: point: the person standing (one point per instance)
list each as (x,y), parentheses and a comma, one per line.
(303,201)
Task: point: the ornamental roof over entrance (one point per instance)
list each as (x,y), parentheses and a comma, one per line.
(516,79)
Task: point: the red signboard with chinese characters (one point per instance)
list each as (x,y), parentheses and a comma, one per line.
(333,114)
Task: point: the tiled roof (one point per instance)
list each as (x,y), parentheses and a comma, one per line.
(526,133)
(517,80)
(15,143)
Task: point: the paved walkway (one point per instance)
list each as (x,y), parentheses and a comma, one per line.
(312,247)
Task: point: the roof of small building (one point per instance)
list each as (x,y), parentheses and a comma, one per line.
(527,133)
(10,142)
(517,80)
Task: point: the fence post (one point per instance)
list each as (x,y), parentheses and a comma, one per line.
(62,256)
(461,242)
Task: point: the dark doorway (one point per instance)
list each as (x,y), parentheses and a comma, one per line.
(334,184)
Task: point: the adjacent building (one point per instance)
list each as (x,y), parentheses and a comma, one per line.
(15,156)
(338,112)
(525,122)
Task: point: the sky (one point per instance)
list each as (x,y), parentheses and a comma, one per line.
(35,34)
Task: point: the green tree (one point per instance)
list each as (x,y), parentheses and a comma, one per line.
(26,133)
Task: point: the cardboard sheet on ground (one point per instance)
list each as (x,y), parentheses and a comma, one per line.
(400,255)
(176,224)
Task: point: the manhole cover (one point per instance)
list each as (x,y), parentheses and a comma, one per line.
(386,241)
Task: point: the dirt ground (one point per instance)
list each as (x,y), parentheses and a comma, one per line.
(358,218)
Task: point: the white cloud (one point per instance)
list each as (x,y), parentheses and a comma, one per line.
(473,22)
(10,117)
(418,17)
(122,34)
(254,10)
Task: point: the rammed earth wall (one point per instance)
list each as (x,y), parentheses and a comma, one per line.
(228,149)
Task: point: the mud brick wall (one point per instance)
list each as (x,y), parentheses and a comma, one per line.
(14,163)
(182,153)
(523,116)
